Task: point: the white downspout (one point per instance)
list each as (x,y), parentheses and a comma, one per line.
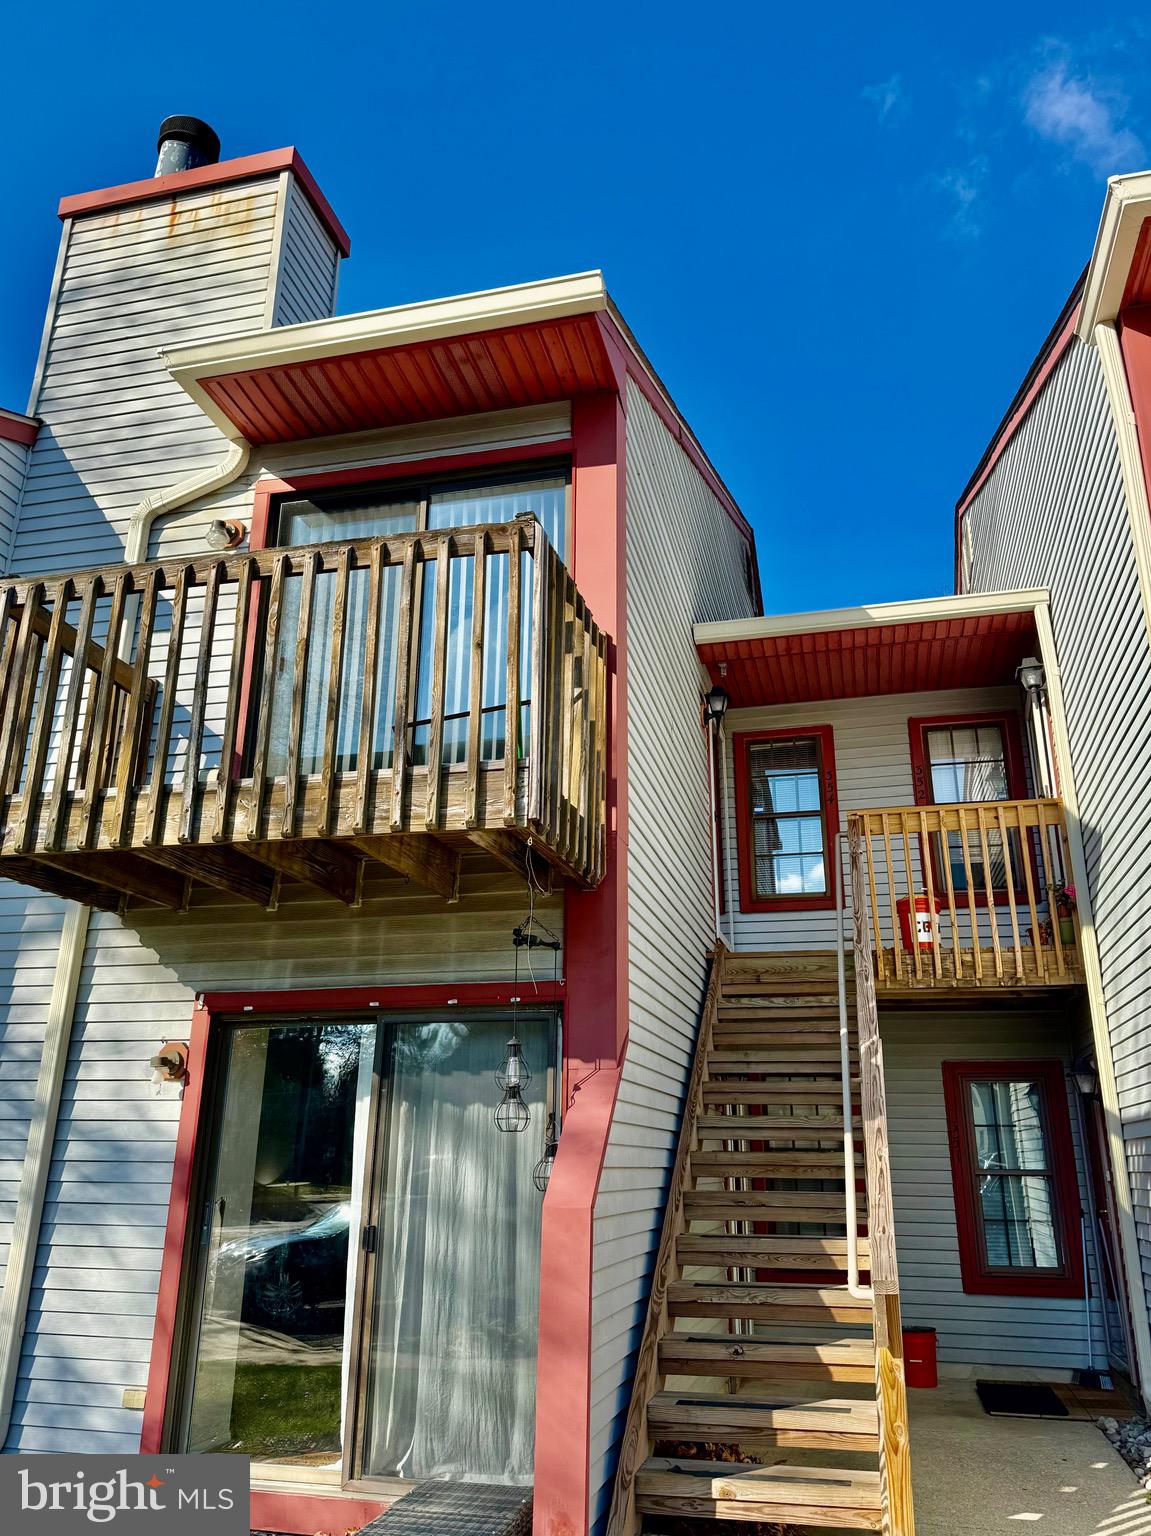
(62,1004)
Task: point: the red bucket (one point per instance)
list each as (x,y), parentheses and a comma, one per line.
(926,926)
(919,1358)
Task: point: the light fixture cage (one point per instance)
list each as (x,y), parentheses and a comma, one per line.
(716,702)
(512,1114)
(515,1072)
(542,1171)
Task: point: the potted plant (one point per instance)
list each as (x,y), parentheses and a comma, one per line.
(1063,900)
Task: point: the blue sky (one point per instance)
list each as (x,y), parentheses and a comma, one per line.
(840,234)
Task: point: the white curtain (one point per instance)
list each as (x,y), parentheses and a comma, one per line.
(452,1388)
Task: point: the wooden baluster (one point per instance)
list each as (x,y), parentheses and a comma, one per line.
(228,771)
(566,715)
(259,791)
(598,795)
(366,746)
(896,936)
(335,694)
(909,869)
(539,667)
(154,826)
(1059,828)
(436,686)
(554,722)
(949,882)
(25,659)
(972,905)
(580,809)
(98,725)
(9,629)
(307,581)
(929,882)
(192,789)
(1009,879)
(56,825)
(989,888)
(27,822)
(472,817)
(1041,965)
(136,713)
(876,925)
(401,724)
(512,682)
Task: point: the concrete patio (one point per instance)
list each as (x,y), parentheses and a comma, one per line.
(975,1475)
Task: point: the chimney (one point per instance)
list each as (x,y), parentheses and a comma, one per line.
(184,143)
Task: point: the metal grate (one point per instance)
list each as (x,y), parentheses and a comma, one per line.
(457,1509)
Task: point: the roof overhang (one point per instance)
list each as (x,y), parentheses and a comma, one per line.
(15,428)
(846,653)
(522,345)
(1120,270)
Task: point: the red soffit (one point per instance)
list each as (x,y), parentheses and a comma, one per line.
(1138,289)
(452,376)
(919,657)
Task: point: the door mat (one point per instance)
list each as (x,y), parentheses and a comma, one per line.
(441,1508)
(1021,1400)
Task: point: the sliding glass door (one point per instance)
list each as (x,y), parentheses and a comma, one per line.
(365,1275)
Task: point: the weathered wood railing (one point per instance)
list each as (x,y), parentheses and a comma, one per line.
(968,895)
(449,682)
(890,1378)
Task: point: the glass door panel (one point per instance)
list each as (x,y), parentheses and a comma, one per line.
(266,1369)
(450,1389)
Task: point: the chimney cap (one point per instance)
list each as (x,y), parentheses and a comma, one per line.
(193,131)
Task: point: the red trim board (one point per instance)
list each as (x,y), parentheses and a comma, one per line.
(749,901)
(978,1278)
(18,429)
(269,163)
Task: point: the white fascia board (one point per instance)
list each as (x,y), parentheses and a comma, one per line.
(1127,204)
(871,616)
(494,309)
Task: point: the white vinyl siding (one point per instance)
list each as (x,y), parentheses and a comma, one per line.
(872,768)
(309,263)
(1052,514)
(13,464)
(685,564)
(1016,1332)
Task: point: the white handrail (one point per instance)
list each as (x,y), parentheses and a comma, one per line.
(860,1292)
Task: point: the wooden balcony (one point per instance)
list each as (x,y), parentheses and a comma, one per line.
(984,874)
(240,718)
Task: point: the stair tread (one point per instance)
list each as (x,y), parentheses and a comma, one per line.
(735,1293)
(760,1127)
(762,1345)
(781,1199)
(821,1486)
(690,1242)
(856,1415)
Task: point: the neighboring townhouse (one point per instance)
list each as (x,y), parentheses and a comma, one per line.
(344,661)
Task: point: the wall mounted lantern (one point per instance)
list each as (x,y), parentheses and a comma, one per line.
(715,705)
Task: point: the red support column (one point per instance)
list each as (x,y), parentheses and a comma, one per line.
(596,1015)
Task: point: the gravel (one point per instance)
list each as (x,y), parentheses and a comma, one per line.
(1132,1439)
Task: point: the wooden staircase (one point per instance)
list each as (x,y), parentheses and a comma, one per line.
(767,1389)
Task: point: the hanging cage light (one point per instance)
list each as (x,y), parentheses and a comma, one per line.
(543,1169)
(512,1114)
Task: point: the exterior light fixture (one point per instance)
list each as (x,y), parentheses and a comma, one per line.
(543,1169)
(171,1061)
(1031,675)
(224,533)
(513,1114)
(715,705)
(1086,1078)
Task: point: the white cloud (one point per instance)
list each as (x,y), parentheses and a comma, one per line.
(962,187)
(888,98)
(1082,117)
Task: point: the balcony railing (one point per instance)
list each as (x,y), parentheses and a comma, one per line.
(449,685)
(968,896)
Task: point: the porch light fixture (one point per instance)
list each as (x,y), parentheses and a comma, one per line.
(224,533)
(715,705)
(1085,1078)
(1031,675)
(512,1114)
(543,1169)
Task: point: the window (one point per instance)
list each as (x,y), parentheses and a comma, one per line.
(787,816)
(970,759)
(1013,1170)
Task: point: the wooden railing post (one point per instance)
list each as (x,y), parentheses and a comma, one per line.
(890,1384)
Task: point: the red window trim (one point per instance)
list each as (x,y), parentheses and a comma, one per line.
(1014,761)
(194,1119)
(979,1279)
(749,900)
